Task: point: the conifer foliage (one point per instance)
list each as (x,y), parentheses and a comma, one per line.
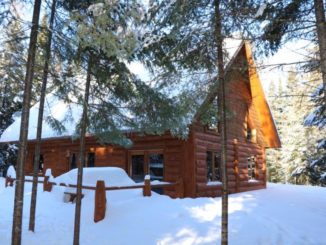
(290,104)
(185,39)
(12,69)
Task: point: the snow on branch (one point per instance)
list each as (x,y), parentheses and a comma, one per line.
(261,10)
(96,9)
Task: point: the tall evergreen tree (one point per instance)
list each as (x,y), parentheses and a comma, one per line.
(222,111)
(12,68)
(289,106)
(19,191)
(316,166)
(119,99)
(291,19)
(273,156)
(47,59)
(83,128)
(184,43)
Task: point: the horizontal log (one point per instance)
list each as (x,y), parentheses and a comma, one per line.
(202,171)
(199,148)
(172,163)
(201,163)
(207,137)
(201,179)
(231,177)
(204,186)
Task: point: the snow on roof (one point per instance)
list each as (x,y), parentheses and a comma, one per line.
(58,109)
(54,107)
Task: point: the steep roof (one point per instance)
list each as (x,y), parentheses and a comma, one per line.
(267,125)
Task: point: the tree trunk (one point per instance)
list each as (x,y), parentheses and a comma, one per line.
(222,120)
(40,120)
(19,191)
(321,32)
(82,154)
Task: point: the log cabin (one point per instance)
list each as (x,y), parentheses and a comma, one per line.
(196,161)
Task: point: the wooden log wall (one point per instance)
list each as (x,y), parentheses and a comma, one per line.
(239,103)
(57,154)
(237,164)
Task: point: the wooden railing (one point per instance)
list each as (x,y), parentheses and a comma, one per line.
(100,191)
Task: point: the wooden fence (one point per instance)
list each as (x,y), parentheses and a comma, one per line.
(100,191)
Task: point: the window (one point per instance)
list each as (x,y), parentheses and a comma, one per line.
(146,162)
(156,166)
(41,163)
(137,163)
(91,159)
(251,131)
(73,161)
(251,168)
(213,161)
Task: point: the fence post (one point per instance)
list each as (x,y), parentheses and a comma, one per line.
(179,188)
(9,181)
(47,186)
(147,186)
(100,201)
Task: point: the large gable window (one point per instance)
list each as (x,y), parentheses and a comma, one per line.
(251,131)
(213,161)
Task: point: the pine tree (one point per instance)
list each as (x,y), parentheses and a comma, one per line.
(118,98)
(19,190)
(273,156)
(184,43)
(221,115)
(12,68)
(47,59)
(40,58)
(291,19)
(290,105)
(319,7)
(316,118)
(83,128)
(132,103)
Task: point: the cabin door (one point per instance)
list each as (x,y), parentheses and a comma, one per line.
(73,160)
(137,166)
(146,162)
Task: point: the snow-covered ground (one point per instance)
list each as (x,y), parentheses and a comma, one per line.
(281,214)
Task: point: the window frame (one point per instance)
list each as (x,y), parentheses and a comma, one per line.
(214,155)
(251,132)
(252,167)
(146,154)
(87,159)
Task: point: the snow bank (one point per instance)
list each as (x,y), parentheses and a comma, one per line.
(112,176)
(280,214)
